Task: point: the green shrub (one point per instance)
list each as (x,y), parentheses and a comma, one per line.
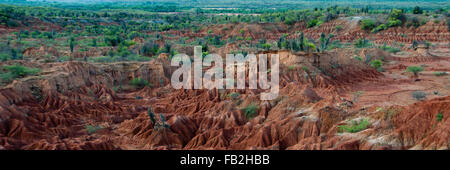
(358,58)
(440,73)
(312,23)
(414,69)
(7,77)
(64,58)
(394,23)
(250,110)
(5,57)
(291,67)
(367,24)
(92,129)
(20,71)
(390,49)
(376,63)
(417,10)
(354,126)
(139,82)
(305,69)
(103,59)
(233,95)
(439,116)
(361,43)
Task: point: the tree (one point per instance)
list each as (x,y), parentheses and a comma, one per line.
(150,48)
(94,42)
(71,45)
(266,46)
(13,54)
(396,18)
(415,70)
(417,10)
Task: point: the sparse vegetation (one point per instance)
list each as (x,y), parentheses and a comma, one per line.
(419,95)
(362,43)
(234,95)
(89,49)
(291,67)
(139,82)
(377,64)
(93,129)
(439,116)
(354,126)
(390,49)
(437,74)
(250,110)
(10,72)
(159,123)
(356,95)
(367,24)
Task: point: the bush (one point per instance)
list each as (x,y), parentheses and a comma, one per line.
(379,28)
(361,43)
(139,82)
(367,24)
(312,23)
(7,77)
(376,63)
(4,57)
(439,116)
(354,126)
(357,58)
(414,69)
(417,10)
(419,95)
(103,59)
(233,95)
(92,129)
(291,67)
(21,71)
(440,73)
(390,49)
(394,23)
(64,58)
(250,110)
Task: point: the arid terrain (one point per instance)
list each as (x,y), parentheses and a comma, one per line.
(344,100)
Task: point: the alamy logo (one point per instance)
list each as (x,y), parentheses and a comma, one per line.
(235,69)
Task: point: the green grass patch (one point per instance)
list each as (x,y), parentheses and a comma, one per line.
(354,126)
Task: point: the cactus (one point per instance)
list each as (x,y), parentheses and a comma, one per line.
(163,121)
(151,115)
(324,41)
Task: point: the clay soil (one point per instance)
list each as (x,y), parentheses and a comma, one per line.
(91,106)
